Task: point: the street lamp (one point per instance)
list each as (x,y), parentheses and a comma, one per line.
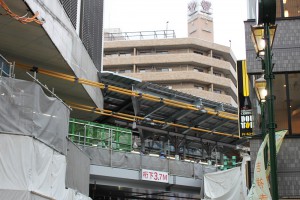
(258,38)
(261,92)
(260,89)
(263,37)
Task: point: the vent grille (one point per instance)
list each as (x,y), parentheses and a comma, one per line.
(91,29)
(70,7)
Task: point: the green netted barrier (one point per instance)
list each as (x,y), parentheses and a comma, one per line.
(228,163)
(100,135)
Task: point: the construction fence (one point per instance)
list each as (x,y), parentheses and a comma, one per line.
(100,135)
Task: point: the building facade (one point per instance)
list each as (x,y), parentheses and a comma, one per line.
(84,16)
(286,59)
(189,65)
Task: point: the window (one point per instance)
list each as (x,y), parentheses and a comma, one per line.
(142,70)
(197,69)
(217,74)
(287,8)
(200,87)
(286,88)
(218,91)
(145,52)
(198,52)
(165,69)
(217,57)
(125,71)
(110,54)
(294,101)
(124,54)
(161,52)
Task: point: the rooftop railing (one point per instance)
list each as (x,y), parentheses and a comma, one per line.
(140,35)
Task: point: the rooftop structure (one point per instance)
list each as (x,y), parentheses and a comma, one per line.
(200,20)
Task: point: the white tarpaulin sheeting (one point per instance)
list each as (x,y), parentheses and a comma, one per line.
(224,185)
(29,165)
(29,168)
(26,110)
(260,186)
(74,195)
(69,194)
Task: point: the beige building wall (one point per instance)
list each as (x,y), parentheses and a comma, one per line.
(189,65)
(201,26)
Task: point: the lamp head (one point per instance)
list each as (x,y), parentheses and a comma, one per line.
(260,88)
(259,38)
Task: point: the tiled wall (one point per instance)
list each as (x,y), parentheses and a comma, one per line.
(286,47)
(288,166)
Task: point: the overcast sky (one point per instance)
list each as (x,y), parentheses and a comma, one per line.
(150,15)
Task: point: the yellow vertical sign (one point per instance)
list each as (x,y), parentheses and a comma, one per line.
(245,79)
(245,110)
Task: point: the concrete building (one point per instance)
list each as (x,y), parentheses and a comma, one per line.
(189,65)
(193,65)
(286,59)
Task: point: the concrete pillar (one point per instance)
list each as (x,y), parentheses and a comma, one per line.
(134,51)
(134,68)
(210,53)
(211,87)
(211,70)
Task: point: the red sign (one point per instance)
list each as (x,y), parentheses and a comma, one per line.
(156,176)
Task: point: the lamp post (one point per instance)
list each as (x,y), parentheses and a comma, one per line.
(261,92)
(263,37)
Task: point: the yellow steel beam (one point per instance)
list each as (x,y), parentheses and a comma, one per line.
(148,97)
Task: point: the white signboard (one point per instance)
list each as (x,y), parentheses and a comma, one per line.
(156,176)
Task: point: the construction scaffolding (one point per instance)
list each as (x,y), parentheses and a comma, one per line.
(35,156)
(99,135)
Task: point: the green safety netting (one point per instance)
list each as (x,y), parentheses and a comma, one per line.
(100,135)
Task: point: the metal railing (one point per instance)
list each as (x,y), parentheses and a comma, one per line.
(139,35)
(6,68)
(137,161)
(100,135)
